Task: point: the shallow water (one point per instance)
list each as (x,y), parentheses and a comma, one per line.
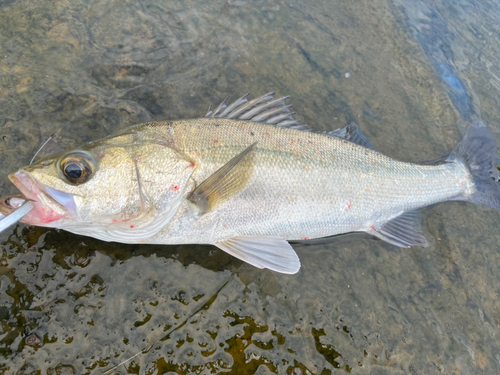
(412,74)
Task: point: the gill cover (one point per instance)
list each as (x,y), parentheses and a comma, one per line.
(155,179)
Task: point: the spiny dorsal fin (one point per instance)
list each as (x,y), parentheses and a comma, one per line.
(224,183)
(264,109)
(402,231)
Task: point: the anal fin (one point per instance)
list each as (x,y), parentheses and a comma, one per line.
(402,231)
(263,252)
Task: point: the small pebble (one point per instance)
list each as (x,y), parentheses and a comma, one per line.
(33,340)
(347,75)
(65,370)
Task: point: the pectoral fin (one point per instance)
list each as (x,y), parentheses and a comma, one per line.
(224,183)
(263,252)
(402,231)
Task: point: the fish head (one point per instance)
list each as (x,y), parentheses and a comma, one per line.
(118,183)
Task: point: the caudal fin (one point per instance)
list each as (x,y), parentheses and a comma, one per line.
(478,152)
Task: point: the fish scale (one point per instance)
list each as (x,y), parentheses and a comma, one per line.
(301,184)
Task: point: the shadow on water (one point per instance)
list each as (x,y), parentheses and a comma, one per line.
(410,73)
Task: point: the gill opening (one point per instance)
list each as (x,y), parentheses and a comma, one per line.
(142,196)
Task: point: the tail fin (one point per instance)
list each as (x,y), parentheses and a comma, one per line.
(478,152)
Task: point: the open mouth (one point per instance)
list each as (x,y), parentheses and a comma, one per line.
(50,205)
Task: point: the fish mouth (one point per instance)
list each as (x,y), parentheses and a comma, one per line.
(51,206)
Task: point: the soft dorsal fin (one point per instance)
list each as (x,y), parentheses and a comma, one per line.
(402,231)
(224,183)
(353,133)
(263,252)
(264,109)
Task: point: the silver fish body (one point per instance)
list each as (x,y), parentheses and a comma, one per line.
(302,185)
(246,178)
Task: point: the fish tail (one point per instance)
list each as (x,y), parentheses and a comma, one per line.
(478,152)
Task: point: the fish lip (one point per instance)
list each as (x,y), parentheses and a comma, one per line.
(47,208)
(23,183)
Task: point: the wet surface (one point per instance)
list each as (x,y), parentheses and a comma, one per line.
(412,74)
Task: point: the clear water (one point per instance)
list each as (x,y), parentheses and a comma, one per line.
(410,73)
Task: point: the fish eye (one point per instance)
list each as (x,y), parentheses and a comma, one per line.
(77,168)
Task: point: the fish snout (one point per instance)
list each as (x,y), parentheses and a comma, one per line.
(47,210)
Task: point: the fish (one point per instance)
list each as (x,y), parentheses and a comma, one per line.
(248,178)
